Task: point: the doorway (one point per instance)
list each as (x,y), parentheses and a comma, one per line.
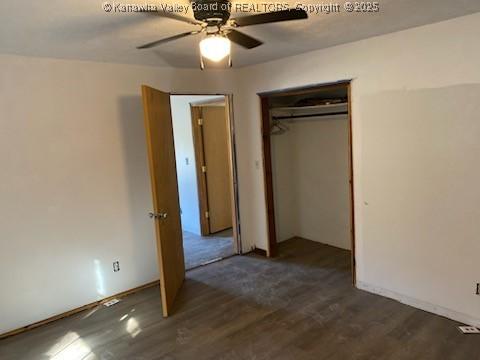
(202,138)
(307,146)
(167,212)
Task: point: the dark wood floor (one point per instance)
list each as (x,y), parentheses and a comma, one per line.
(300,305)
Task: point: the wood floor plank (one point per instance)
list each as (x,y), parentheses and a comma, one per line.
(300,306)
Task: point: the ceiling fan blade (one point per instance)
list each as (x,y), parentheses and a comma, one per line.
(243,40)
(165,40)
(270,17)
(174,16)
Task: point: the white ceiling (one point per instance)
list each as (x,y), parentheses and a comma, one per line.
(81,29)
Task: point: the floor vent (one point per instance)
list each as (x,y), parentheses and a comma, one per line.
(469,329)
(111,302)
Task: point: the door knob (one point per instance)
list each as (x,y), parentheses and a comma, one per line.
(158,215)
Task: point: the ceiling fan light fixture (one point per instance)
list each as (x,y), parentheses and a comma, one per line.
(215,47)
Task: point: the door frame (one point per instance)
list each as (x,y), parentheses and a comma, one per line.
(201,178)
(237,241)
(267,160)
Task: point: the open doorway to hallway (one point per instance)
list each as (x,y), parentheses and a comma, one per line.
(202,138)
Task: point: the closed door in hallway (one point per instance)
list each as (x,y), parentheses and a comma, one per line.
(213,150)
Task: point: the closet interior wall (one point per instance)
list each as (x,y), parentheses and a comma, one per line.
(310,164)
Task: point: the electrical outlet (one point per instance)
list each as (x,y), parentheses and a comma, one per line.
(469,330)
(478,289)
(187,161)
(116,266)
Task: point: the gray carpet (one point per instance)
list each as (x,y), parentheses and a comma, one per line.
(201,249)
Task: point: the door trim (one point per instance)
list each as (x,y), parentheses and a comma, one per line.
(237,235)
(268,176)
(267,160)
(195,111)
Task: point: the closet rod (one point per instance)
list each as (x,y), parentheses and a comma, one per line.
(309,115)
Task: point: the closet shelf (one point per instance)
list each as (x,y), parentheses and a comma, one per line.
(312,107)
(298,112)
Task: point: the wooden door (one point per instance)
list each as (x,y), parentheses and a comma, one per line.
(166,207)
(217,161)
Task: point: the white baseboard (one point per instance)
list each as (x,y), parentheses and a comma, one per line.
(419,304)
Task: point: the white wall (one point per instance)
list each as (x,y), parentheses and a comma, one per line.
(284,185)
(186,173)
(311,181)
(415,140)
(74,184)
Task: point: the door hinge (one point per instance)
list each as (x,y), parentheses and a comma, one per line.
(207,215)
(200,121)
(204,169)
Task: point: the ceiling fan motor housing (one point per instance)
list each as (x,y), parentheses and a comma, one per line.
(213,12)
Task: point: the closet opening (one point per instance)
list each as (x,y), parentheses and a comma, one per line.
(307,148)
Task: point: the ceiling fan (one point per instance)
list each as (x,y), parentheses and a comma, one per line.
(213,19)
